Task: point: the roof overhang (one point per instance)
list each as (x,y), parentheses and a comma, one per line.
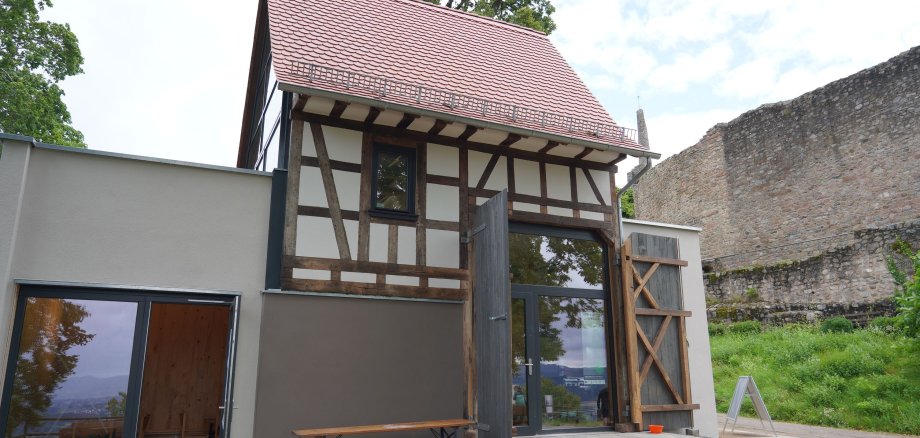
(454,118)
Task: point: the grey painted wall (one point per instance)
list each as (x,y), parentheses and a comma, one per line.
(88,217)
(334,361)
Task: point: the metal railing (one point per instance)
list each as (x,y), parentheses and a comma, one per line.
(384,87)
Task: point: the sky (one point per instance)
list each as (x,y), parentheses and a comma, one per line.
(168,78)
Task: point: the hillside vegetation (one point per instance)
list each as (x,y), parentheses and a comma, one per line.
(865,379)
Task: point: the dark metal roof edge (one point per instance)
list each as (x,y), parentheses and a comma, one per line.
(125,287)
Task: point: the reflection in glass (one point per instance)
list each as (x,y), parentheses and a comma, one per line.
(556,261)
(392,178)
(573,362)
(72,370)
(518,369)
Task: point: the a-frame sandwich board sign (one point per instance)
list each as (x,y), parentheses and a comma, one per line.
(747,388)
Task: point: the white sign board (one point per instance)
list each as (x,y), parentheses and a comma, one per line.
(747,388)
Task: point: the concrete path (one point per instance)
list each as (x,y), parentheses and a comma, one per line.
(751,428)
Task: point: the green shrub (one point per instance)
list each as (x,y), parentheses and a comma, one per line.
(907,286)
(745,328)
(716,329)
(887,324)
(837,324)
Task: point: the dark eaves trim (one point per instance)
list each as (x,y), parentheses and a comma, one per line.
(465,120)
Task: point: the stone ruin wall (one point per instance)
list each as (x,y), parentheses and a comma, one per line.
(802,180)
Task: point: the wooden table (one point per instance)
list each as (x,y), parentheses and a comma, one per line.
(437,427)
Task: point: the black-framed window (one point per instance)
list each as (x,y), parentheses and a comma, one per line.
(393,181)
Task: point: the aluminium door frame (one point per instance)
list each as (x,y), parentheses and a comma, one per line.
(144,298)
(526,291)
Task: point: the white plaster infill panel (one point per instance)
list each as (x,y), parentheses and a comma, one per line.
(307,145)
(316,238)
(527,177)
(351,235)
(442,203)
(405,246)
(443,248)
(558,183)
(443,160)
(403,280)
(347,188)
(311,193)
(478,162)
(312,274)
(343,144)
(377,250)
(444,282)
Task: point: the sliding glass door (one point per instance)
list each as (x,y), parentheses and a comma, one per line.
(86,363)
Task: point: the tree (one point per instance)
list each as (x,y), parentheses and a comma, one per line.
(535,14)
(628,204)
(34,56)
(50,328)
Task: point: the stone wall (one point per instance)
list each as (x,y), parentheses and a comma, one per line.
(790,180)
(852,280)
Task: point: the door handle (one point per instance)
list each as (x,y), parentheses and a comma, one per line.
(529,366)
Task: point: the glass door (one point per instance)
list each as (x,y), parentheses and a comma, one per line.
(558,331)
(107,363)
(524,383)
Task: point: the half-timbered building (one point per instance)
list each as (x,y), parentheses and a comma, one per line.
(423,224)
(457,171)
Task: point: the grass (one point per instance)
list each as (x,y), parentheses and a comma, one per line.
(865,379)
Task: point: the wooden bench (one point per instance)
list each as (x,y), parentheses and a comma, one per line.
(438,428)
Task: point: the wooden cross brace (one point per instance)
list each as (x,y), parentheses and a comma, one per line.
(653,357)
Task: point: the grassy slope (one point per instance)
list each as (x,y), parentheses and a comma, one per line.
(865,379)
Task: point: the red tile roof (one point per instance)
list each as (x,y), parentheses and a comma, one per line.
(434,58)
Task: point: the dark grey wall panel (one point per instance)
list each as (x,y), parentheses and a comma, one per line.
(492,316)
(332,361)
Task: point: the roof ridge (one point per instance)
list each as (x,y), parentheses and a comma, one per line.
(487,20)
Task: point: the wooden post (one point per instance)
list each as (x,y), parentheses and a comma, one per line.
(629,318)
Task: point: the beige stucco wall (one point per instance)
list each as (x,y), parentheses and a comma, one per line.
(691,278)
(99,218)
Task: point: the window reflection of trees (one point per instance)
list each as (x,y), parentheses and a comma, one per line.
(392,181)
(50,328)
(552,261)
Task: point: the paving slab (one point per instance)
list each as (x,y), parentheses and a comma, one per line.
(751,428)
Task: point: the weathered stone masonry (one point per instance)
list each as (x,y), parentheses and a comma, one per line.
(793,181)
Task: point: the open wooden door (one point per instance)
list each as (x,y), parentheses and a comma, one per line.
(492,317)
(656,334)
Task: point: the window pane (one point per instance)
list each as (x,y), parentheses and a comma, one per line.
(72,371)
(573,362)
(555,261)
(519,370)
(392,181)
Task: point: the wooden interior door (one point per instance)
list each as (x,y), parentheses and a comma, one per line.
(184,370)
(492,317)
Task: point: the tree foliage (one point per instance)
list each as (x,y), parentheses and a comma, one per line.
(628,204)
(34,56)
(50,328)
(535,14)
(552,261)
(906,276)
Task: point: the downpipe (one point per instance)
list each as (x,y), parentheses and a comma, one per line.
(629,184)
